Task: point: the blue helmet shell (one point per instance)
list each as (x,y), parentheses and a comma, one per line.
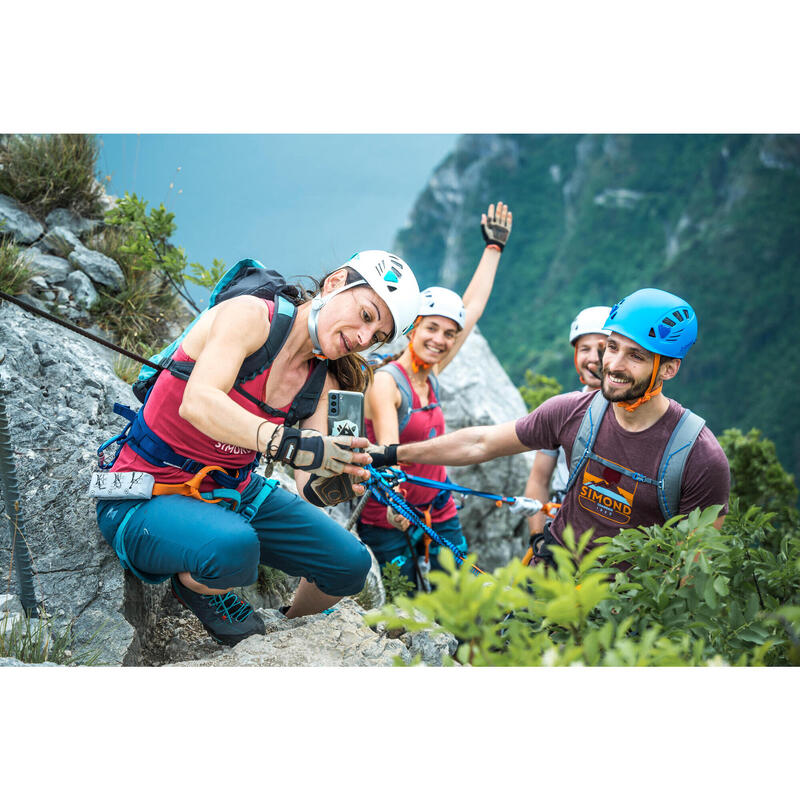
(656,320)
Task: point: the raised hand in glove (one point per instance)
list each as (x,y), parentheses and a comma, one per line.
(325,456)
(526,506)
(496,225)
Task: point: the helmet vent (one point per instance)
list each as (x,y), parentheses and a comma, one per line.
(668,322)
(652,333)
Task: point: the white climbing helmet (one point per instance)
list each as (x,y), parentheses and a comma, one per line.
(590,320)
(392,280)
(436,301)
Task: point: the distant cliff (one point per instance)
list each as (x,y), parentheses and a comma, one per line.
(713,218)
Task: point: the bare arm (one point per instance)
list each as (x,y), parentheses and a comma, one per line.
(238,327)
(538,487)
(467,446)
(380,405)
(480,287)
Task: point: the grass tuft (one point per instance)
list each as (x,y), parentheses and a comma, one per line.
(50,171)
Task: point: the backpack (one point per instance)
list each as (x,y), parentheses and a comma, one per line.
(406,396)
(673,460)
(247,277)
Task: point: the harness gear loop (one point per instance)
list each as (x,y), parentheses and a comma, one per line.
(191,488)
(650,393)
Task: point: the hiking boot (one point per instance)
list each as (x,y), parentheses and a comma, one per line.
(227,618)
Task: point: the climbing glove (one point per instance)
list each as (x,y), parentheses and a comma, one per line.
(329,491)
(526,506)
(496,225)
(383,455)
(309,450)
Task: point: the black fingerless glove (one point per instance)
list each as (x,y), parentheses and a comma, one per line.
(383,455)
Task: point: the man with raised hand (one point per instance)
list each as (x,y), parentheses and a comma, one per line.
(636,456)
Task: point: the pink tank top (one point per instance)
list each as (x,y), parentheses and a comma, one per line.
(421,425)
(161,416)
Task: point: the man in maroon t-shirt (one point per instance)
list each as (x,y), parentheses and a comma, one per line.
(650,332)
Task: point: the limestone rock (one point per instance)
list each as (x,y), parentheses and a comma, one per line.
(101,269)
(338,639)
(60,241)
(14,221)
(81,288)
(64,218)
(52,268)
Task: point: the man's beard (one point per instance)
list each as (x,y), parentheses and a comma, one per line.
(627,394)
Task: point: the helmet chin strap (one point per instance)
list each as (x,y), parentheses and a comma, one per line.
(650,393)
(317,304)
(416,362)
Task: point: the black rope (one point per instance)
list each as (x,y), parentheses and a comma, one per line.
(75,329)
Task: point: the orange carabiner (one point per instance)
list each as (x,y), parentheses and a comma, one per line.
(190,488)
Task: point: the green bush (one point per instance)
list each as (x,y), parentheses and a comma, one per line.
(682,593)
(51,171)
(36,640)
(14,272)
(154,269)
(538,388)
(758,478)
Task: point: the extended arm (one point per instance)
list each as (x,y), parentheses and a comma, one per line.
(467,446)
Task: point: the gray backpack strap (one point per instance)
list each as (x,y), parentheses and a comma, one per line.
(406,398)
(673,462)
(587,433)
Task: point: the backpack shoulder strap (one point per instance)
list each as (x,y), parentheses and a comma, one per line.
(406,397)
(673,461)
(435,384)
(587,433)
(280,326)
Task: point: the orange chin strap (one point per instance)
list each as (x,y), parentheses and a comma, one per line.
(416,362)
(650,393)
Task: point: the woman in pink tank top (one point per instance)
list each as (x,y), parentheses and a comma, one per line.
(208,548)
(442,325)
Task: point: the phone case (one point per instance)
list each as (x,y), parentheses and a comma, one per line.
(345,413)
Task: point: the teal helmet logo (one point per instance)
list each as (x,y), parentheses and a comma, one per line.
(656,320)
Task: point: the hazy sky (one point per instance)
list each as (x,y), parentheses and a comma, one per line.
(299,203)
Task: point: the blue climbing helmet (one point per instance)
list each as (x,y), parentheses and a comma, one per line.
(656,320)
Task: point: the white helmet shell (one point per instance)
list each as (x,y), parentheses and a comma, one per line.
(590,320)
(391,279)
(436,301)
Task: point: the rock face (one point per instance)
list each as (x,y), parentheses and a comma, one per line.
(484,395)
(22,227)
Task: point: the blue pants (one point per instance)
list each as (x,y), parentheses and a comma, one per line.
(390,544)
(220,549)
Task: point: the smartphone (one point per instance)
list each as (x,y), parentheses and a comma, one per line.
(345,413)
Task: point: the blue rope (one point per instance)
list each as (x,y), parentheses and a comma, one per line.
(453,487)
(384,493)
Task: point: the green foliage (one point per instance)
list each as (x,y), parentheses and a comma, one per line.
(538,388)
(154,269)
(206,277)
(51,171)
(34,641)
(394,582)
(14,272)
(682,593)
(758,478)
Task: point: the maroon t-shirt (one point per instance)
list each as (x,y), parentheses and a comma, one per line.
(607,500)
